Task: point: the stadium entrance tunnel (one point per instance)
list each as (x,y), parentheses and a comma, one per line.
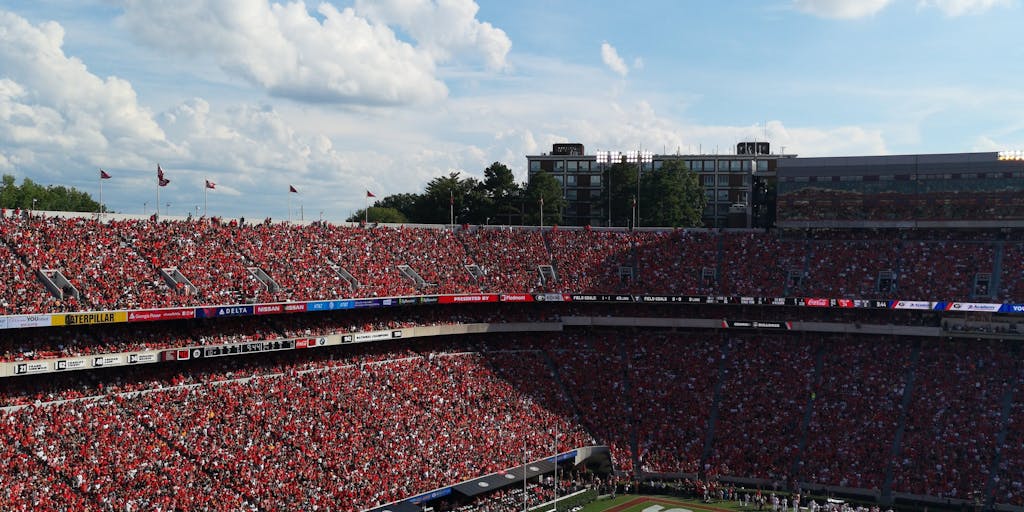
(595,459)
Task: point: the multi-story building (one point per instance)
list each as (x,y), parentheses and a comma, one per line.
(729,182)
(967,190)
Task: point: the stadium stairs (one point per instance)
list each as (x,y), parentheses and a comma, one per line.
(995,286)
(908,393)
(819,363)
(990,486)
(627,384)
(709,438)
(553,368)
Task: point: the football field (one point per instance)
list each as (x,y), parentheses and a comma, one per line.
(634,503)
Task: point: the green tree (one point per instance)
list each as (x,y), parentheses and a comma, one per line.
(379,214)
(452,194)
(404,203)
(52,198)
(502,193)
(671,196)
(620,181)
(543,185)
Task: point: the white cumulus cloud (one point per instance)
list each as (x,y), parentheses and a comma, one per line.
(52,106)
(841,9)
(610,57)
(447,29)
(330,56)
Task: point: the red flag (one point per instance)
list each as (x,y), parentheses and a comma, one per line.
(210,184)
(104,175)
(292,189)
(369,194)
(160,180)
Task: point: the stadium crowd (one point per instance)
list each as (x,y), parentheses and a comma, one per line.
(131,264)
(270,432)
(254,432)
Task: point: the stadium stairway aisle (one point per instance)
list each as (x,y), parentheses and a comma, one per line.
(995,285)
(719,257)
(553,368)
(990,486)
(630,406)
(819,363)
(908,392)
(713,417)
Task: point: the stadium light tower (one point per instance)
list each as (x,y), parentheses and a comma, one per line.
(604,158)
(640,158)
(631,158)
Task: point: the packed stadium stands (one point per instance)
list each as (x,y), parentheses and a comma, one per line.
(352,427)
(456,408)
(118,264)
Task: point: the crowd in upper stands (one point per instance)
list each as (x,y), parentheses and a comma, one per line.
(138,264)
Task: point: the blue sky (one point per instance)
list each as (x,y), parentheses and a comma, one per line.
(336,98)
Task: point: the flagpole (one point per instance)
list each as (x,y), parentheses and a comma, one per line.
(289,205)
(451,209)
(542,214)
(158,196)
(101,194)
(366,209)
(206,192)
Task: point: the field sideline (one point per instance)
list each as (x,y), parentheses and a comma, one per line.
(634,503)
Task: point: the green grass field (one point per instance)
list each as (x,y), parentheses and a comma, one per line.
(635,503)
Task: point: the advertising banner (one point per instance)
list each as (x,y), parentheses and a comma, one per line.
(20,321)
(268,309)
(295,307)
(461,299)
(310,342)
(367,303)
(518,297)
(222,311)
(329,305)
(91,318)
(747,324)
(911,304)
(1011,308)
(816,303)
(974,306)
(152,315)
